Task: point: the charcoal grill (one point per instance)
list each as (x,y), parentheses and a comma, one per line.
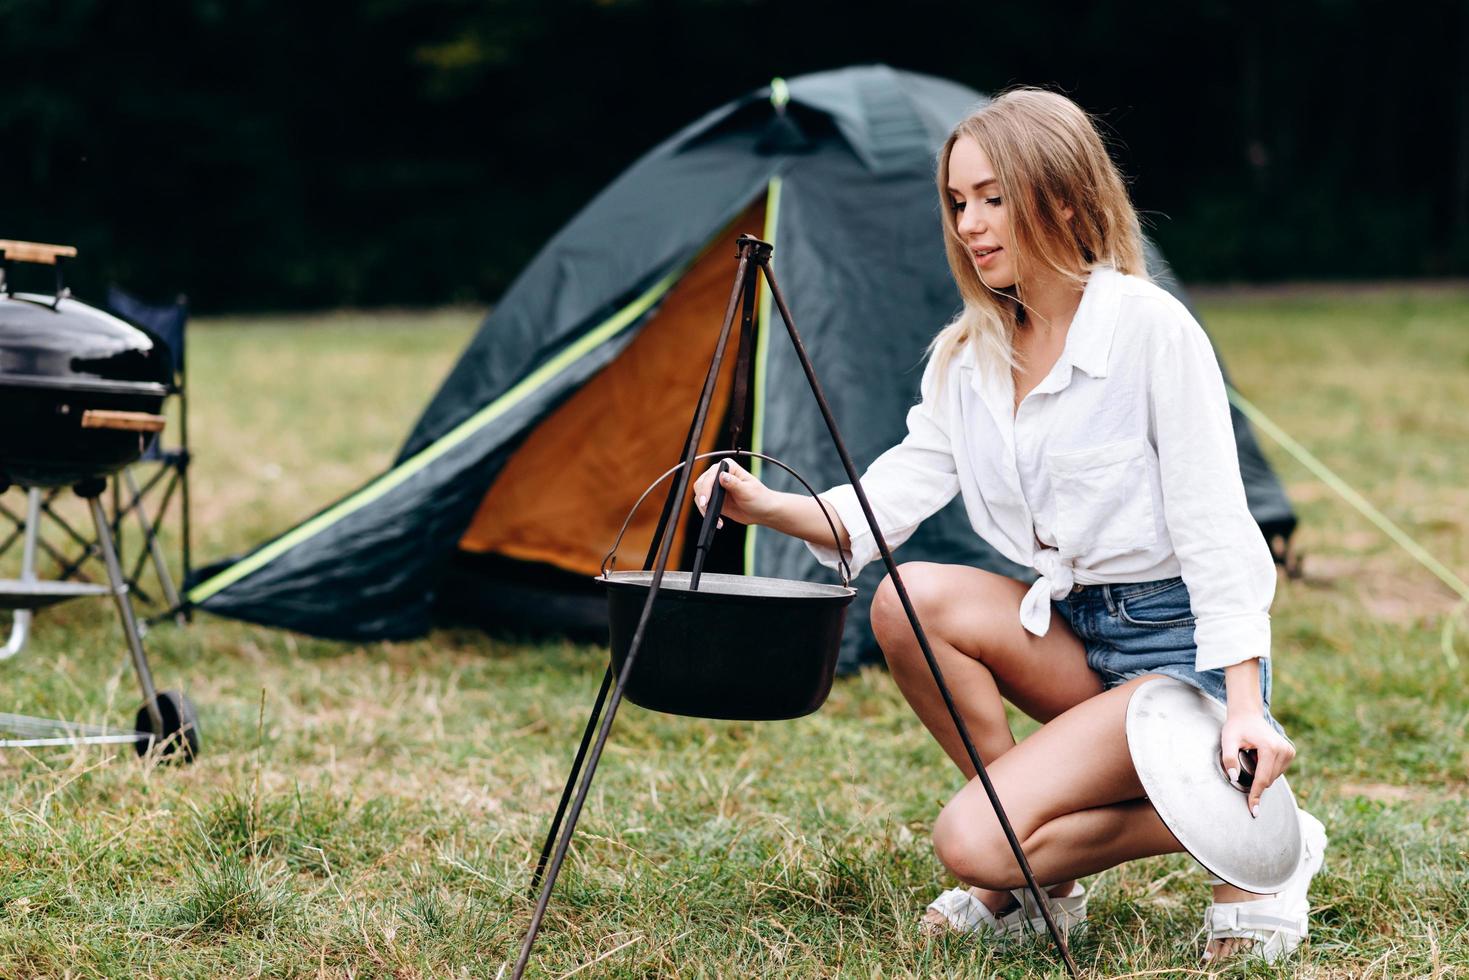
(81,393)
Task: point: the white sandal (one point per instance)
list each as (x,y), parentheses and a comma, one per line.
(965,913)
(1278,924)
(1068,911)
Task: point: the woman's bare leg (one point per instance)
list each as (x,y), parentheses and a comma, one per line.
(971,618)
(972,621)
(1072,796)
(1074,801)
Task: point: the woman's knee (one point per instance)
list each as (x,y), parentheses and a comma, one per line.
(934,589)
(890,624)
(975,850)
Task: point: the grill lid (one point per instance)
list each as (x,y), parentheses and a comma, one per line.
(61,342)
(80,390)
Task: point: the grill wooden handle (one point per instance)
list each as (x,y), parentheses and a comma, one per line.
(101,418)
(37,252)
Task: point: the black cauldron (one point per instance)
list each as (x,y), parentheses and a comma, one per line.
(80,390)
(741,647)
(737,647)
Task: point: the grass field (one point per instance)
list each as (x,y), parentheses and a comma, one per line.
(371,811)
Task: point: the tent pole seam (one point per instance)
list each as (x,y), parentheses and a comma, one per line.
(610,327)
(762,353)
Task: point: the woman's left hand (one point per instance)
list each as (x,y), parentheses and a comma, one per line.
(1273,750)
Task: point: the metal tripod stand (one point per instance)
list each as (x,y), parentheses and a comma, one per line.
(750,252)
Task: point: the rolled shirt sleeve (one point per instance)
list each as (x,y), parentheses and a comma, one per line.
(905,485)
(1225,561)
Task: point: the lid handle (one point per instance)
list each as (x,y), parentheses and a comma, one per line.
(609,560)
(37,252)
(711,524)
(103,418)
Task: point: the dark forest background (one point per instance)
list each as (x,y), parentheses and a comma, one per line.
(265,154)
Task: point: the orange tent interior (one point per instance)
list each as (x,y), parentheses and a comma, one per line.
(566,491)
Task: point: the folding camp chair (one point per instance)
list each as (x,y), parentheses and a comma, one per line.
(162,470)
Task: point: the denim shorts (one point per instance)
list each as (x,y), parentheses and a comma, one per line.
(1142,628)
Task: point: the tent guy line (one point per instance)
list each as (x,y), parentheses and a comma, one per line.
(1385,524)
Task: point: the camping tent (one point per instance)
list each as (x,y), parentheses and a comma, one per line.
(577,391)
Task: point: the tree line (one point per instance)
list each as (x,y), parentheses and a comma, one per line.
(260,154)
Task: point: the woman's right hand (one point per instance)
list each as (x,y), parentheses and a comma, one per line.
(746,499)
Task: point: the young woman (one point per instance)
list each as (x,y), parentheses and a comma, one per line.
(1080,412)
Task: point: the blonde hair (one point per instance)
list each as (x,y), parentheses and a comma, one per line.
(1047,157)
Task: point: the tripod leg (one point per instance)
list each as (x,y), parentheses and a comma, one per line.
(125,612)
(933,666)
(679,494)
(744,289)
(581,755)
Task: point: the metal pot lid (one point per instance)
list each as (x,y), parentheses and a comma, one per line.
(1173,736)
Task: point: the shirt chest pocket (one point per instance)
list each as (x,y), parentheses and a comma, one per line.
(1104,500)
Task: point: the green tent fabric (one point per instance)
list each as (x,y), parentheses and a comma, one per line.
(844,163)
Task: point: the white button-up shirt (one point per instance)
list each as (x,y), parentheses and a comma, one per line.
(1120,466)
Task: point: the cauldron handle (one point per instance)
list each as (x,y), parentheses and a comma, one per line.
(609,560)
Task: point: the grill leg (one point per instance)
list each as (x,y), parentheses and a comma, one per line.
(125,611)
(20,627)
